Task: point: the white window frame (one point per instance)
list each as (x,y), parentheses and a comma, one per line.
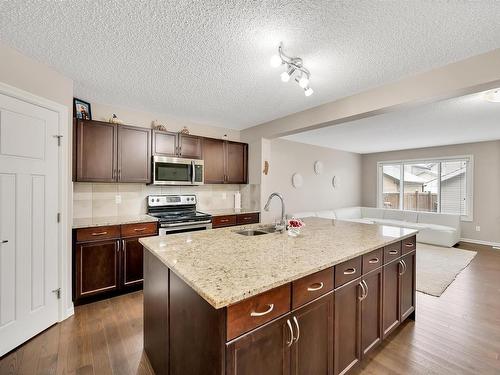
(469,180)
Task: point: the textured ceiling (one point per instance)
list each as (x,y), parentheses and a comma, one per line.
(208,61)
(461,120)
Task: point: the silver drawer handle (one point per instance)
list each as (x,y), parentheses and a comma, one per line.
(5,241)
(393,252)
(289,343)
(315,288)
(373,261)
(224,220)
(99,233)
(350,271)
(271,307)
(140,229)
(409,244)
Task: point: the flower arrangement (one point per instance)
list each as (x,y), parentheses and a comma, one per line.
(294,226)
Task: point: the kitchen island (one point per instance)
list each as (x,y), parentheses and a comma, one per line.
(218,302)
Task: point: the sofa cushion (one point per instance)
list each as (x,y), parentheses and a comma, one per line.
(372,212)
(440,219)
(300,215)
(361,221)
(348,213)
(411,216)
(394,215)
(328,214)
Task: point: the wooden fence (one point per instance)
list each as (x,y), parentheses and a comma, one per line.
(416,201)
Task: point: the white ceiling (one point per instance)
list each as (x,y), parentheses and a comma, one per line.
(461,120)
(208,61)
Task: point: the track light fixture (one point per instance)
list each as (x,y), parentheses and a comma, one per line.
(294,68)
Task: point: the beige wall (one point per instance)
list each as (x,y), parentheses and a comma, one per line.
(103,112)
(486,199)
(287,157)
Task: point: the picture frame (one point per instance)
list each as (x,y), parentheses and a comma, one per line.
(81,109)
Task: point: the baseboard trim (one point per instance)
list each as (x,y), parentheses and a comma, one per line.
(481,242)
(69,312)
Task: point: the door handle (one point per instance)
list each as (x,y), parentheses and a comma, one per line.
(298,328)
(5,241)
(363,291)
(255,314)
(289,343)
(402,268)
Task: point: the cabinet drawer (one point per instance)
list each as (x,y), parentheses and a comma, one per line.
(247,218)
(373,260)
(139,229)
(98,233)
(347,271)
(311,287)
(391,252)
(409,244)
(223,221)
(254,311)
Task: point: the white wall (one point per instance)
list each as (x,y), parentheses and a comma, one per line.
(287,157)
(486,182)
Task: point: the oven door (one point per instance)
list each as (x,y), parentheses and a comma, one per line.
(177,171)
(184,227)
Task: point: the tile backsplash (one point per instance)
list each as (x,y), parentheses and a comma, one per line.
(101,200)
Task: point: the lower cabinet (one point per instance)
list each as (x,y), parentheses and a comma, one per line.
(371,311)
(347,332)
(97,268)
(407,286)
(300,343)
(133,253)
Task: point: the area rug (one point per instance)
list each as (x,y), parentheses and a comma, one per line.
(437,267)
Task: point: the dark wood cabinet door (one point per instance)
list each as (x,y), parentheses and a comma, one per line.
(95,151)
(347,332)
(189,146)
(262,351)
(132,258)
(164,143)
(407,280)
(312,353)
(134,154)
(213,157)
(371,312)
(391,305)
(236,163)
(97,267)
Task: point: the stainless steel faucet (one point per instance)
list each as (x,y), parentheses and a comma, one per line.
(282,225)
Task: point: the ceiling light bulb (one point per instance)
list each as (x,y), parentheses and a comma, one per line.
(309,91)
(285,77)
(493,96)
(304,81)
(275,61)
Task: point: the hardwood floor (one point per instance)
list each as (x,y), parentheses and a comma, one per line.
(457,333)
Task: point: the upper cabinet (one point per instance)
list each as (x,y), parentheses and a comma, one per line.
(176,145)
(225,162)
(106,152)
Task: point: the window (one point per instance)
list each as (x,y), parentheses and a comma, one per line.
(434,185)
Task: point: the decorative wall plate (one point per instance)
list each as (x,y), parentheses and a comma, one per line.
(297,180)
(318,167)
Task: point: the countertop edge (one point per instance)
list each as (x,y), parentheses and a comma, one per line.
(241,297)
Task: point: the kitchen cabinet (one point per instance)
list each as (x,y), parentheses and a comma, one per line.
(176,144)
(347,332)
(408,286)
(391,300)
(108,260)
(311,351)
(97,268)
(108,152)
(371,311)
(265,350)
(226,162)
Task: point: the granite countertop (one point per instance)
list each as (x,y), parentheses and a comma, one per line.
(231,211)
(224,267)
(112,220)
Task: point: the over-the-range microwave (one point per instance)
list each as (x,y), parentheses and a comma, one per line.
(177,171)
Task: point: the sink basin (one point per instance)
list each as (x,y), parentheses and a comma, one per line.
(251,232)
(256,231)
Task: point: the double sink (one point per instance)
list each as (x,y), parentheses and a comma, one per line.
(257,231)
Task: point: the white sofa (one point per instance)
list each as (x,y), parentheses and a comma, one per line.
(435,229)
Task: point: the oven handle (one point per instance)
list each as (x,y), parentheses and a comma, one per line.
(192,172)
(185,224)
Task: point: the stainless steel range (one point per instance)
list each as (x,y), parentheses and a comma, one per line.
(177,214)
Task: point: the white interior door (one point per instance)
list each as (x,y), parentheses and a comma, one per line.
(28,221)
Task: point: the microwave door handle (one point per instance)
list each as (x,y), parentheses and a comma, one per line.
(192,172)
